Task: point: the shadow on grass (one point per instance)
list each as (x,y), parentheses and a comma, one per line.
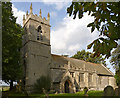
(17,94)
(92,94)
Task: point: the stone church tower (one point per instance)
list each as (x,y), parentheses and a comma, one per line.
(36,49)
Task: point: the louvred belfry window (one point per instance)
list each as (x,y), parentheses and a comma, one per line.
(39,33)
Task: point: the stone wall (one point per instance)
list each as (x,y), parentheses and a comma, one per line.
(56,87)
(36,53)
(104,81)
(97,82)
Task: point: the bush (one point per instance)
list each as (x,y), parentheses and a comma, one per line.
(42,82)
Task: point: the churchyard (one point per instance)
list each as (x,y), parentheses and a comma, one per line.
(81,93)
(108,91)
(73,78)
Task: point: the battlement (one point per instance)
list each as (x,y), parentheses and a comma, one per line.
(35,17)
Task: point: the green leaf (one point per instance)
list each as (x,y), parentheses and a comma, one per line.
(90,24)
(90,45)
(69,10)
(93,28)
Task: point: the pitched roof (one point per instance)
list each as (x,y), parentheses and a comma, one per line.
(59,77)
(80,64)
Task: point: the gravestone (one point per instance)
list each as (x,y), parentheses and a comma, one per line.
(108,91)
(44,91)
(116,91)
(85,91)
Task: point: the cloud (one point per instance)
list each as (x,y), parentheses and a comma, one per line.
(59,4)
(72,35)
(19,14)
(74,47)
(53,14)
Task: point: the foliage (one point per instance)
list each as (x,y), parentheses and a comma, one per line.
(115,61)
(105,21)
(89,57)
(11,44)
(42,82)
(117,77)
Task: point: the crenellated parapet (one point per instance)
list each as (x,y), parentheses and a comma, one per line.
(35,17)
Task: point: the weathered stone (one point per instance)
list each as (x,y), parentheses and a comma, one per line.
(108,91)
(116,92)
(56,93)
(52,91)
(46,94)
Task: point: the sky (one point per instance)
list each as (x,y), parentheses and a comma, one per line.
(68,35)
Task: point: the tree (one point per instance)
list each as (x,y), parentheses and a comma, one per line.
(11,44)
(105,21)
(115,61)
(88,56)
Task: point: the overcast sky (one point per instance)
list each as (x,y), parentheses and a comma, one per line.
(68,35)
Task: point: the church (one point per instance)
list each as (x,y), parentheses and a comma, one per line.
(68,75)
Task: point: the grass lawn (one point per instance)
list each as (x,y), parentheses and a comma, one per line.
(4,88)
(78,94)
(81,93)
(95,93)
(15,94)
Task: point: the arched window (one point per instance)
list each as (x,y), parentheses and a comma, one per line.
(81,77)
(89,77)
(39,33)
(99,79)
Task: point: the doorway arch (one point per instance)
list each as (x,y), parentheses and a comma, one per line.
(67,82)
(66,85)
